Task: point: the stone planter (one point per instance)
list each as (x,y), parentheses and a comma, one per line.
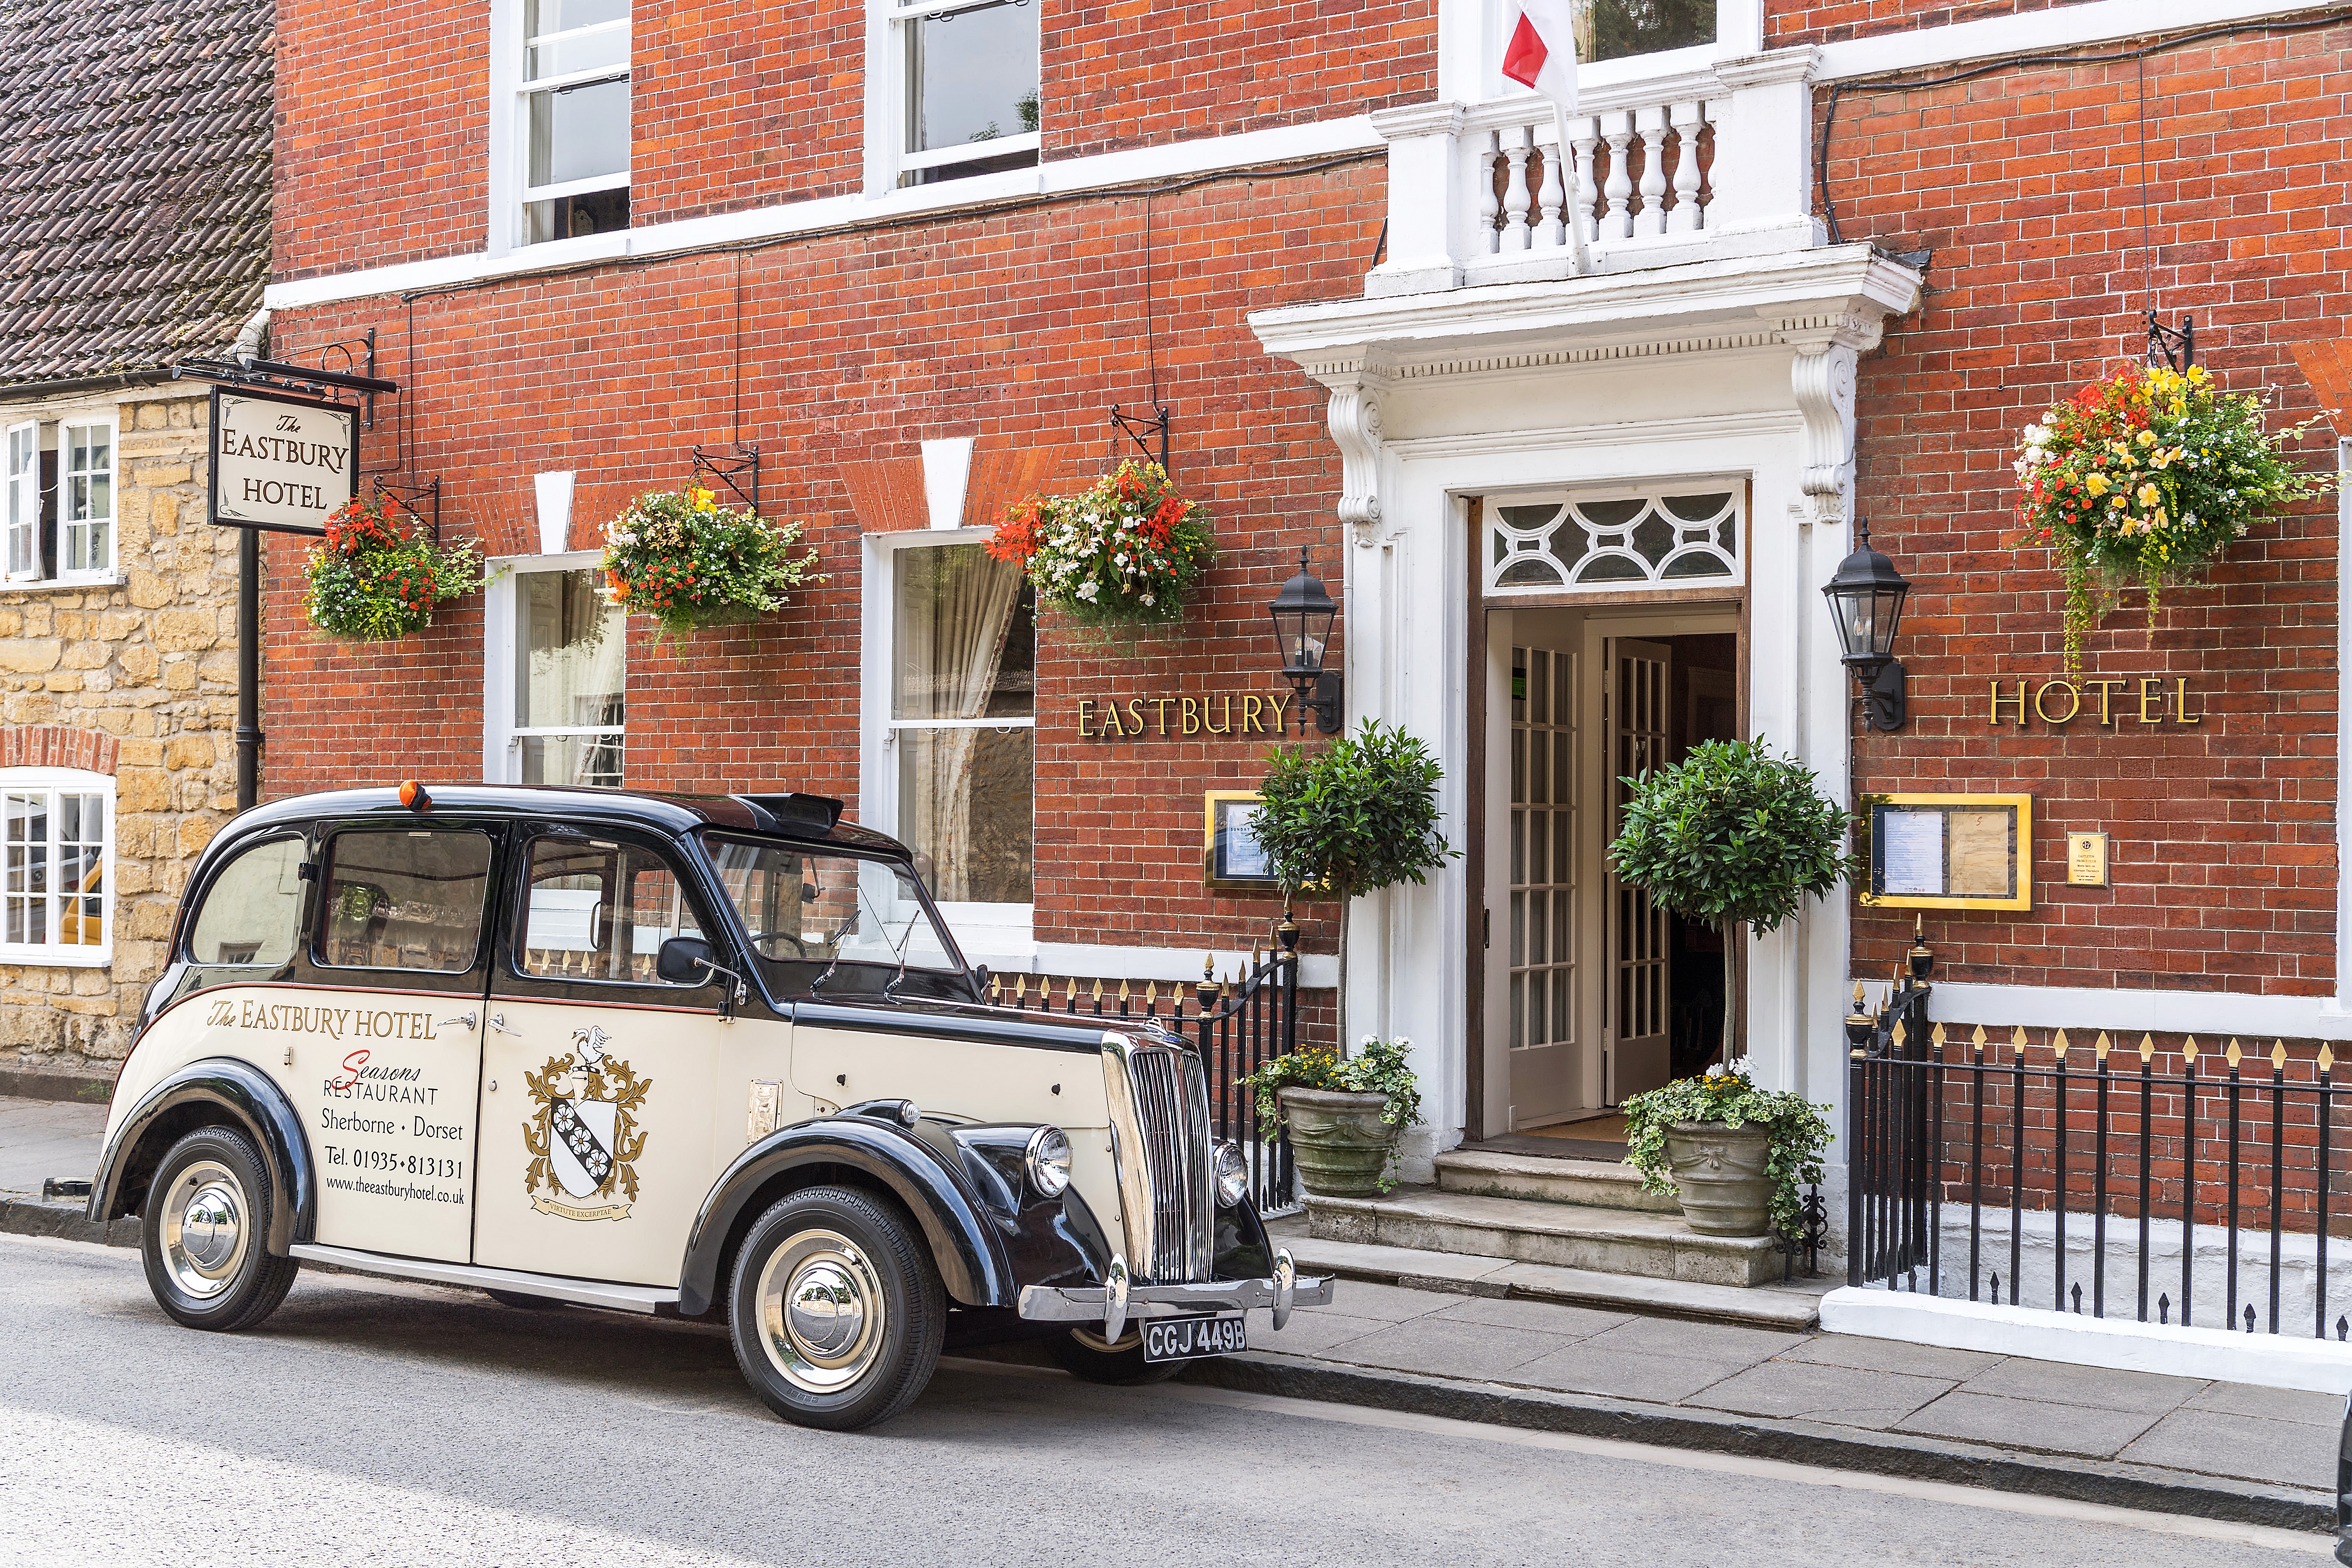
(1720,1176)
(1339,1141)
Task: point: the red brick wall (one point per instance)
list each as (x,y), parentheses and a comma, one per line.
(382,134)
(1788,22)
(2026,187)
(1019,329)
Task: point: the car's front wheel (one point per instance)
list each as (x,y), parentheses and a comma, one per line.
(836,1310)
(204,1236)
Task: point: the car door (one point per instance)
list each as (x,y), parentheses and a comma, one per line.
(381,1032)
(599,1078)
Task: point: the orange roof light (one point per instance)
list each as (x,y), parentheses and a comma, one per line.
(413,796)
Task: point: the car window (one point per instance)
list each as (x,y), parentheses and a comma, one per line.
(252,911)
(842,923)
(600,911)
(404,899)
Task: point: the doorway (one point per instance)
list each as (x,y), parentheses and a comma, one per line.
(1591,994)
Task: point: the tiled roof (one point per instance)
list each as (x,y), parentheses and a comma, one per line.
(134,181)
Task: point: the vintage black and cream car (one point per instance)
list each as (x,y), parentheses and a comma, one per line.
(703,1056)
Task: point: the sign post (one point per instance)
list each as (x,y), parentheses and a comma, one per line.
(278,465)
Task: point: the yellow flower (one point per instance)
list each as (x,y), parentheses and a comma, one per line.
(2115,500)
(2148,437)
(2149,495)
(2197,374)
(2097,484)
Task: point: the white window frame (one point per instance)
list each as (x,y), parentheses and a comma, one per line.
(511,191)
(1738,32)
(20,502)
(1003,936)
(54,781)
(95,572)
(502,738)
(888,159)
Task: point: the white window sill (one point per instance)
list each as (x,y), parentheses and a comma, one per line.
(56,957)
(62,584)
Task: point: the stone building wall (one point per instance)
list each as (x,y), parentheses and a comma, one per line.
(138,680)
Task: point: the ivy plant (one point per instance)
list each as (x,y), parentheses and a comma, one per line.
(1734,835)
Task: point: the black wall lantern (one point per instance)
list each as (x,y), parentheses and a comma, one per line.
(1303,613)
(1866,602)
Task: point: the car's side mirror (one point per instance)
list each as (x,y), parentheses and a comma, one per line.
(687,961)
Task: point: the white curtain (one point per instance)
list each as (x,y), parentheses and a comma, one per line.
(955,607)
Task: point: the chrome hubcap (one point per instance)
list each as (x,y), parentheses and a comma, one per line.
(821,1311)
(206,1229)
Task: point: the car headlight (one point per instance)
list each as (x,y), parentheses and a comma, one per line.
(1232,1170)
(1048,1159)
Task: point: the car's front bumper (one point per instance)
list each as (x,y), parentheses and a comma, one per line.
(1117,1303)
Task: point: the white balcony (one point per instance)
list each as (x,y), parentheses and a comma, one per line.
(1711,162)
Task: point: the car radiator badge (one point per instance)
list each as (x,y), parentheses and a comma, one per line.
(584,1139)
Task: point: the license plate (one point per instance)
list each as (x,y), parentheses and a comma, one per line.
(1189,1338)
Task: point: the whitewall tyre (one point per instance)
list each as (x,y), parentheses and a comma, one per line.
(204,1234)
(834,1308)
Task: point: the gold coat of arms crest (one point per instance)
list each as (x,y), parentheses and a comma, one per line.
(582,1139)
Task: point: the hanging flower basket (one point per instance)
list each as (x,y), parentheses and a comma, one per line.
(691,563)
(378,576)
(1128,553)
(2145,479)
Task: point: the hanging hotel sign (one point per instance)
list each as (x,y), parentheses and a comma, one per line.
(1951,851)
(1213,713)
(2130,701)
(283,464)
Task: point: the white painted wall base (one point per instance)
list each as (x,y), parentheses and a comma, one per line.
(2271,1361)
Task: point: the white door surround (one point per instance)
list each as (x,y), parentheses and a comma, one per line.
(1733,367)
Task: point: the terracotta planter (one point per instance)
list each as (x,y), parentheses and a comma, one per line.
(1720,1176)
(1339,1141)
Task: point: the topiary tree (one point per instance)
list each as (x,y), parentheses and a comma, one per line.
(1731,835)
(1356,817)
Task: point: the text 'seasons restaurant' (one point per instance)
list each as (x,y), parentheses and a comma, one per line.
(1575,414)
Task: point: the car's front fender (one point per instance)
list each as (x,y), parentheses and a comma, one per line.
(217,1089)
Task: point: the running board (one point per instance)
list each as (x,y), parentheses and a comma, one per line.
(585,1292)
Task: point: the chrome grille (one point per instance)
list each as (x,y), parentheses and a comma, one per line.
(1163,1152)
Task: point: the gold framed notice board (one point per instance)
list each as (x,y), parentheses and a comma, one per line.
(1951,851)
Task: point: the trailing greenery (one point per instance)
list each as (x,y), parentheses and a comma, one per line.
(1731,835)
(689,562)
(378,576)
(1379,1066)
(2144,479)
(1728,1096)
(1128,554)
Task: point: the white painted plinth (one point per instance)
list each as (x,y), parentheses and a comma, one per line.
(2271,1361)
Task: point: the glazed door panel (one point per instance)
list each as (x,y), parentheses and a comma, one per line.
(1540,1004)
(1636,688)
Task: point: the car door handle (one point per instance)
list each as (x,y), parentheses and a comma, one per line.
(498,1022)
(464,1019)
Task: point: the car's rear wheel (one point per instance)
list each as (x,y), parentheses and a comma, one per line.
(1085,1354)
(204,1236)
(835,1310)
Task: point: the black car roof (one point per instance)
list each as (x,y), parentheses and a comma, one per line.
(808,818)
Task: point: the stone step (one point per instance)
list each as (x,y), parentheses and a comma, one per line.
(1567,1236)
(1594,1184)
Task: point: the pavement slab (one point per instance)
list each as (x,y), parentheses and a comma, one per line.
(2100,1387)
(1590,1367)
(2220,1444)
(2026,1424)
(1539,1317)
(1820,1390)
(1445,1348)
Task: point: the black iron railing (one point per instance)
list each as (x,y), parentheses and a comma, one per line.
(2102,1179)
(1238,1024)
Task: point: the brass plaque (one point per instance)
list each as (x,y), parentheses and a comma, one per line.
(2086,859)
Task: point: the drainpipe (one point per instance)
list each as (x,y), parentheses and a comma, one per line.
(244,351)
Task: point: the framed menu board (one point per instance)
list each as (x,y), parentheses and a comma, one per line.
(1951,851)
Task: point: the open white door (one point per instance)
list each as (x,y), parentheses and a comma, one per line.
(1539,998)
(1636,686)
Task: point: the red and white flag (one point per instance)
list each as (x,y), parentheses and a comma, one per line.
(1541,53)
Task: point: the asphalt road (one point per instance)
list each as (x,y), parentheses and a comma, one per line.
(379,1423)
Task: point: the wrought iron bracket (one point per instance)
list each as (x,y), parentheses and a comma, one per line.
(298,380)
(731,465)
(2174,346)
(421,502)
(1137,426)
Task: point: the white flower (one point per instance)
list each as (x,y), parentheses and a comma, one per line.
(1087,591)
(1150,598)
(2037,434)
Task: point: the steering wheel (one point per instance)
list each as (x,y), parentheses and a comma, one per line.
(799,947)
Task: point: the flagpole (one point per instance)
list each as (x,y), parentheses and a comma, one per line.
(1577,213)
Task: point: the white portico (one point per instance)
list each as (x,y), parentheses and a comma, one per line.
(1501,442)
